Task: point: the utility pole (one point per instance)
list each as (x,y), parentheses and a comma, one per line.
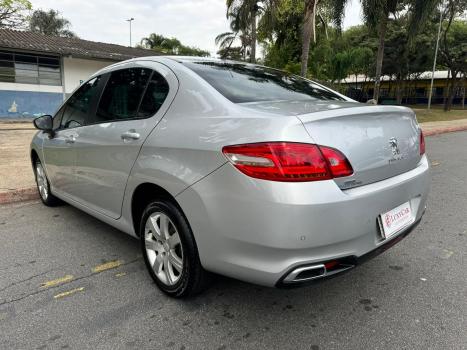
(129,21)
(436,56)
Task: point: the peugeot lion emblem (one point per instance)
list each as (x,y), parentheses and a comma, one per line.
(394,146)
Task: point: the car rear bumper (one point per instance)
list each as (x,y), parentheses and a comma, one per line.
(344,264)
(258,231)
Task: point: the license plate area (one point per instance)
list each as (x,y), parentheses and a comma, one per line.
(395,220)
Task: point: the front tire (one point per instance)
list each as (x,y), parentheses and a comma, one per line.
(170,251)
(43,186)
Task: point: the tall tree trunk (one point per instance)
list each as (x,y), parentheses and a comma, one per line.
(379,58)
(399,88)
(446,90)
(451,91)
(308,33)
(463,92)
(253,34)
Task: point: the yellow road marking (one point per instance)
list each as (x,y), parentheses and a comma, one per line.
(57,281)
(434,163)
(70,292)
(120,274)
(447,254)
(107,266)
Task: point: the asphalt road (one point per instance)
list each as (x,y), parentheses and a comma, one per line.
(70,281)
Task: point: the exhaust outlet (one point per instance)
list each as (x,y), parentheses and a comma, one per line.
(306,273)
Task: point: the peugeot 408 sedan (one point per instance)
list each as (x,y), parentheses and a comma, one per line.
(233,168)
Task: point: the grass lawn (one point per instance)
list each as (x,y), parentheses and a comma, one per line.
(435,115)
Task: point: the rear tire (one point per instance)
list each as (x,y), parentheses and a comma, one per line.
(43,186)
(170,252)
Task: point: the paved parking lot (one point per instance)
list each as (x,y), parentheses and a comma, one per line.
(70,281)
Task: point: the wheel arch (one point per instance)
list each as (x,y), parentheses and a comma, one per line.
(34,157)
(143,194)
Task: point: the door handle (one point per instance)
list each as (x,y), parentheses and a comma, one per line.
(70,139)
(130,135)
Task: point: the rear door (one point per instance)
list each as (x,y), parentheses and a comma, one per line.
(132,103)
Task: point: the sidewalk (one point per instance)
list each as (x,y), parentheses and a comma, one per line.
(17,178)
(434,128)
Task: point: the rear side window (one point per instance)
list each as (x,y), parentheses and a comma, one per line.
(155,95)
(122,94)
(242,83)
(78,107)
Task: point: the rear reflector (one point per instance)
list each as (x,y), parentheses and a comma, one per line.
(422,143)
(288,161)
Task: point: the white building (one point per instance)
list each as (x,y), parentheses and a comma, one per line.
(37,72)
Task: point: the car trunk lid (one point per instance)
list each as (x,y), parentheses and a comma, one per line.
(379,141)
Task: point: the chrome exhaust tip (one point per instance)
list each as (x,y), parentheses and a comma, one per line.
(306,273)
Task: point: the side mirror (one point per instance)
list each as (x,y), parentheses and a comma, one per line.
(44,123)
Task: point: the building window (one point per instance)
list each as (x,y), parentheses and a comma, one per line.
(29,69)
(420,92)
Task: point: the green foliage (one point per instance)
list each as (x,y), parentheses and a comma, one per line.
(231,53)
(402,57)
(171,46)
(13,13)
(50,23)
(282,37)
(456,57)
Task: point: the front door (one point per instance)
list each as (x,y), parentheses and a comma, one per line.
(132,103)
(59,150)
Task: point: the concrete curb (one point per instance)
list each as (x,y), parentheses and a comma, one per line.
(28,194)
(444,130)
(22,195)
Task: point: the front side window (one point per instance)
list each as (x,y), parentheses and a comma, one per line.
(78,107)
(58,118)
(122,94)
(241,83)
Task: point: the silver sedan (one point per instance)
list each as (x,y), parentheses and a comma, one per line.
(233,168)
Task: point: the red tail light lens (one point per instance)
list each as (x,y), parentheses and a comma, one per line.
(422,143)
(337,162)
(288,161)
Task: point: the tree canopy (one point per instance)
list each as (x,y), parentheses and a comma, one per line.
(50,23)
(13,13)
(171,46)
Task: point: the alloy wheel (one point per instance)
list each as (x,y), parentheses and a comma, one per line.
(42,183)
(163,248)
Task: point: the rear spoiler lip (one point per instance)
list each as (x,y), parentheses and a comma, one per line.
(354,111)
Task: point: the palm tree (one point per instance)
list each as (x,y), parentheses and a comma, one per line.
(239,30)
(171,46)
(226,40)
(50,23)
(308,33)
(376,14)
(245,13)
(153,41)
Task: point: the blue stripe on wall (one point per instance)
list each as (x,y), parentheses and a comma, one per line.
(28,104)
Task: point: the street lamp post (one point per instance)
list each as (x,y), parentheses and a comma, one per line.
(129,21)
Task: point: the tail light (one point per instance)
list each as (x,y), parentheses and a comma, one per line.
(288,161)
(422,143)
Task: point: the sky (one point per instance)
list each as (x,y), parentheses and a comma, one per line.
(193,22)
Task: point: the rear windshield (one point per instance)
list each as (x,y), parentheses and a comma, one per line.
(242,83)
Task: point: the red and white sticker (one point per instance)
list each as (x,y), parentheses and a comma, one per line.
(396,219)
